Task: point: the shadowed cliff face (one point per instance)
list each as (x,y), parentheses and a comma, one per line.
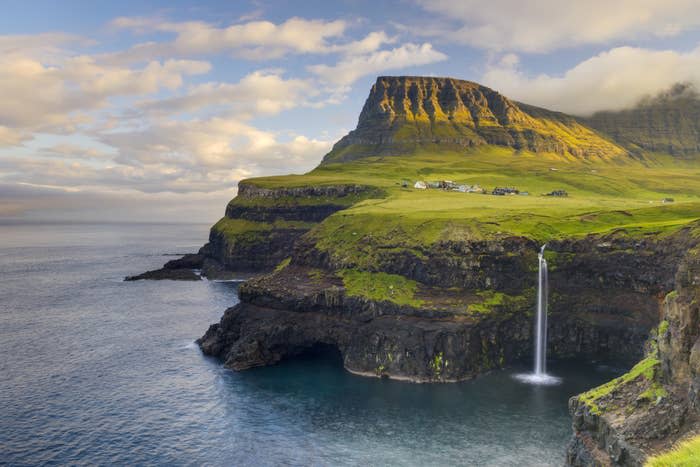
(645,412)
(402,113)
(668,123)
(605,299)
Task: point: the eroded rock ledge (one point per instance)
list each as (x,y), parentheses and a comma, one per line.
(607,295)
(656,404)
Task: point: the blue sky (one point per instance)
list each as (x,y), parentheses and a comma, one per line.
(139,110)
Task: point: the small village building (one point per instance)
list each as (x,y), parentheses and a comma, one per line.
(558,193)
(420,185)
(502,191)
(667,200)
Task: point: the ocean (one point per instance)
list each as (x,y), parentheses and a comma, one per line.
(95,370)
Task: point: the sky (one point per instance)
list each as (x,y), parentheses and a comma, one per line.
(154,110)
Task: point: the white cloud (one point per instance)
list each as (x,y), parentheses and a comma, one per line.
(254,39)
(612,80)
(547,25)
(215,146)
(57,97)
(10,137)
(258,93)
(351,68)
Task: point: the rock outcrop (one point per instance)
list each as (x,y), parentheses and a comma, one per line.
(181,269)
(261,225)
(656,404)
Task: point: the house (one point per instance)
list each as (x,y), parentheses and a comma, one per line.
(667,200)
(558,193)
(420,185)
(502,191)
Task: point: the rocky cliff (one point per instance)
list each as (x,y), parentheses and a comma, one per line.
(455,326)
(402,113)
(668,123)
(656,404)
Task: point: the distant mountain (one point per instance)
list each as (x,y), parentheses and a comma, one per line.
(668,123)
(405,112)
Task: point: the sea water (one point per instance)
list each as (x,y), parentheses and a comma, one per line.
(95,370)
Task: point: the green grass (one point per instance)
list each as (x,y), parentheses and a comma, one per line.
(380,286)
(492,301)
(644,369)
(283,264)
(685,454)
(238,227)
(621,194)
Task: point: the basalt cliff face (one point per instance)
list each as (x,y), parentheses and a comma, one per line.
(657,403)
(609,291)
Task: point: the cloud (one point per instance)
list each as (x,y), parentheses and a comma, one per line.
(351,68)
(10,137)
(218,146)
(47,203)
(57,97)
(75,151)
(258,93)
(253,40)
(612,80)
(547,25)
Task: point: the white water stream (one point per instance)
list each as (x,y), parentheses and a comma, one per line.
(539,375)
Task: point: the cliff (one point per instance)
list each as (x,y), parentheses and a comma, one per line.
(655,405)
(668,123)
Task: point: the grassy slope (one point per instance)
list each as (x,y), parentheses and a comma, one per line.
(686,454)
(603,196)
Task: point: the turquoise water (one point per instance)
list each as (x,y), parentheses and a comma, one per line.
(100,371)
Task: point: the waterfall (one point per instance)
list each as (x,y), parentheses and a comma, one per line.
(539,375)
(541,324)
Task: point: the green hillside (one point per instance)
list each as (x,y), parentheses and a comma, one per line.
(438,129)
(603,196)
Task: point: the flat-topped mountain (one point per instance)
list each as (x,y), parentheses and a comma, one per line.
(407,112)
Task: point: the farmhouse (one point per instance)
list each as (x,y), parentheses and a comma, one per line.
(502,191)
